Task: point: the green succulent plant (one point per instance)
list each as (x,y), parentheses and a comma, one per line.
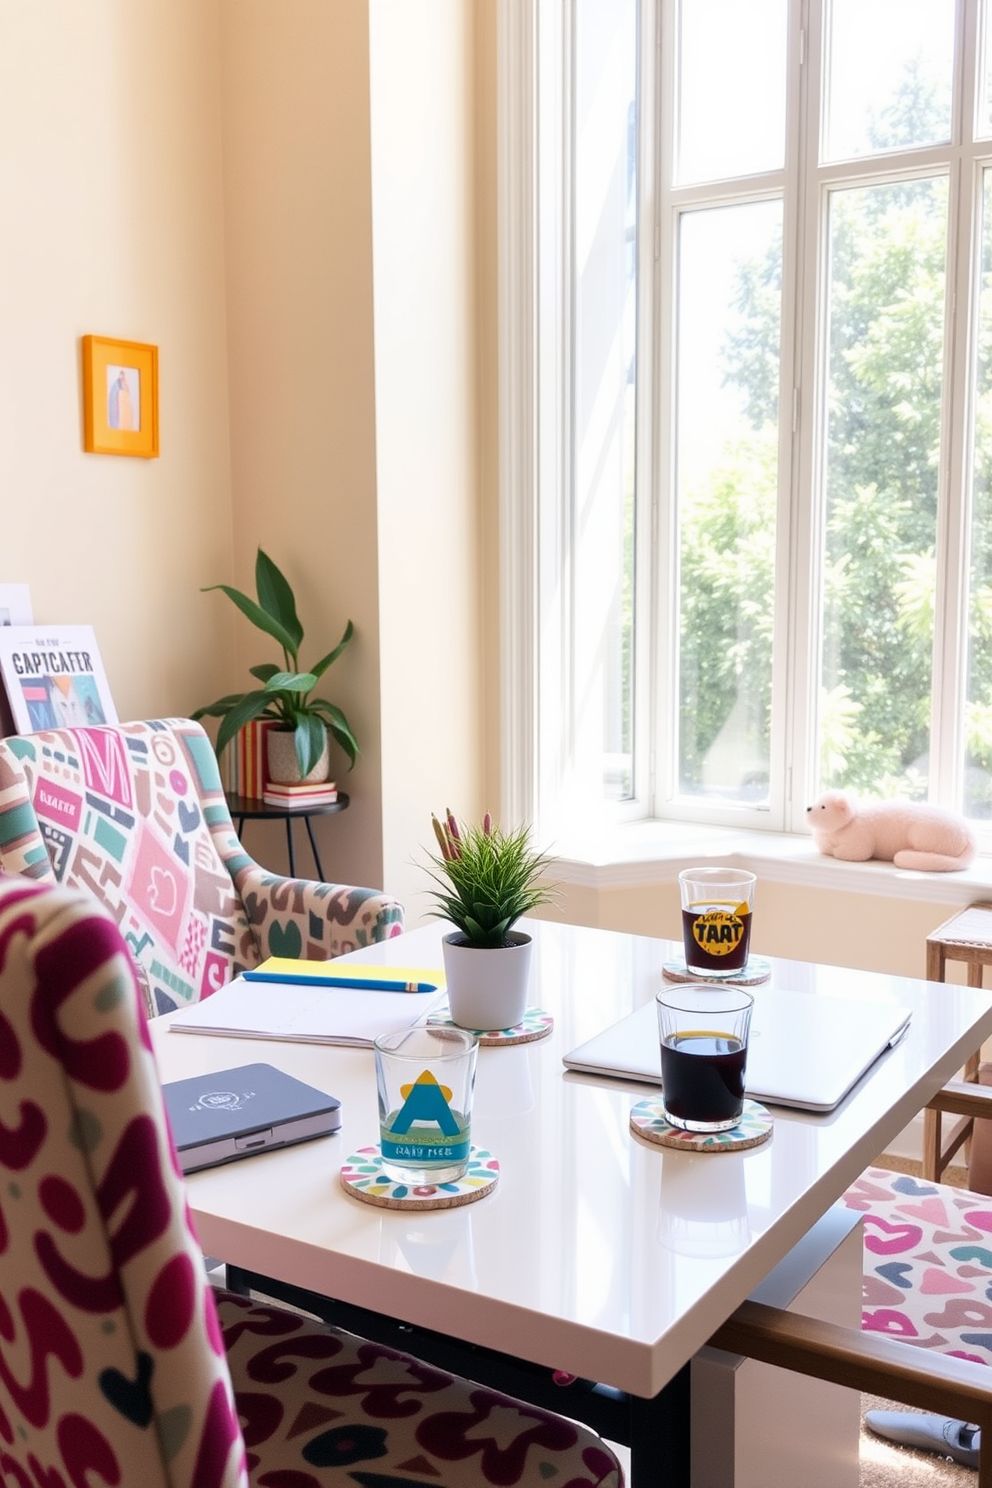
(286,692)
(486,878)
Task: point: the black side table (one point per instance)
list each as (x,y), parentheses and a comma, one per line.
(249,808)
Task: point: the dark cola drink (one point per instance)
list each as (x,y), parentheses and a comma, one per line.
(716,920)
(702,1074)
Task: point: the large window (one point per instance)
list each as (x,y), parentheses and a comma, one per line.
(766,526)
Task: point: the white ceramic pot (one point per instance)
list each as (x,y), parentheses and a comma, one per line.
(284,767)
(487,985)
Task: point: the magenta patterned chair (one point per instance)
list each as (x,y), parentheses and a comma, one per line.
(136,814)
(119,1363)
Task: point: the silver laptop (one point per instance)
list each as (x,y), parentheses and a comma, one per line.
(237,1112)
(805,1049)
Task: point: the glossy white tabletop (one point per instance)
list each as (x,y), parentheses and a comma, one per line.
(597,1253)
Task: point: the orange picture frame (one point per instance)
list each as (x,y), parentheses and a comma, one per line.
(120,397)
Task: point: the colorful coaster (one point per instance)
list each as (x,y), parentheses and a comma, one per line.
(363,1178)
(750,975)
(537,1024)
(647,1119)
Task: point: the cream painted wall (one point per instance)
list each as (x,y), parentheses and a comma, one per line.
(112,224)
(428,364)
(297,195)
(200,174)
(349,163)
(484,256)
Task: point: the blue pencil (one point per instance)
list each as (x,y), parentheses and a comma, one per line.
(366,984)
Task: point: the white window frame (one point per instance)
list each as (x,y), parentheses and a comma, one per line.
(536,676)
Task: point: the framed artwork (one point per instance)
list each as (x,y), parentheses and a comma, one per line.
(120,397)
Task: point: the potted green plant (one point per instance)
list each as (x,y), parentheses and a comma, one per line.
(485,879)
(285,694)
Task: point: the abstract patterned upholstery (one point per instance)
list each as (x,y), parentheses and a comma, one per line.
(927,1263)
(136,814)
(119,1363)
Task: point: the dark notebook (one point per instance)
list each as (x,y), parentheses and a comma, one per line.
(219,1118)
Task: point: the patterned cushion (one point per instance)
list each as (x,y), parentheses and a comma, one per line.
(117,1363)
(381,1419)
(136,814)
(927,1263)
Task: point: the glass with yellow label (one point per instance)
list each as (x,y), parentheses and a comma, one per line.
(426,1080)
(716,920)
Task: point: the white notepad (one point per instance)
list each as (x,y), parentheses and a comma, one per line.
(304,1014)
(805,1050)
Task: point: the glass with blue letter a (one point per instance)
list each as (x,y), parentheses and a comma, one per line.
(426,1081)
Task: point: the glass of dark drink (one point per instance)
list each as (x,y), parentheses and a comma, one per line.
(716,920)
(703,1033)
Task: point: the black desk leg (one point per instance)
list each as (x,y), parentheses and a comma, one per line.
(660,1438)
(289,844)
(313,848)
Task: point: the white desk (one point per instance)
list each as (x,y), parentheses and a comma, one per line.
(597,1253)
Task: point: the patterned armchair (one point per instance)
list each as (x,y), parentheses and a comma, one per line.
(118,1360)
(136,814)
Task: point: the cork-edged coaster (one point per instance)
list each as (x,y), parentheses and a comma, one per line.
(647,1119)
(536,1024)
(363,1178)
(750,975)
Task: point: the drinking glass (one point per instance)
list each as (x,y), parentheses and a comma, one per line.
(704,1034)
(426,1080)
(716,919)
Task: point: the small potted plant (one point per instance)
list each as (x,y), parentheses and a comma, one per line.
(486,879)
(297,746)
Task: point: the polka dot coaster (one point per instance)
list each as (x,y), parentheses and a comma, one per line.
(537,1024)
(647,1119)
(750,975)
(363,1178)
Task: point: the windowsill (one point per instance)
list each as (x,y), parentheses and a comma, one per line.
(646,853)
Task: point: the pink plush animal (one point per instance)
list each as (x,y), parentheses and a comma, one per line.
(901,832)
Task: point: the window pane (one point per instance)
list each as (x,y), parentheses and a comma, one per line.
(885,350)
(978,718)
(731,88)
(728,329)
(888,68)
(605,323)
(983,124)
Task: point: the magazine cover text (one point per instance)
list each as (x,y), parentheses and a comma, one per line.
(54,677)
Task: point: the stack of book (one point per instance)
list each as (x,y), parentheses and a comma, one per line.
(244,766)
(298,796)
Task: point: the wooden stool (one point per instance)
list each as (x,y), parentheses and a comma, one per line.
(967,937)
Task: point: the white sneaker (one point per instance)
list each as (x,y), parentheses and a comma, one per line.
(956,1440)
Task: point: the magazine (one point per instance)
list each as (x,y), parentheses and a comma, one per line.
(54,677)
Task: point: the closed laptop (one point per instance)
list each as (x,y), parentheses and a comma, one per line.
(238,1112)
(805,1050)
